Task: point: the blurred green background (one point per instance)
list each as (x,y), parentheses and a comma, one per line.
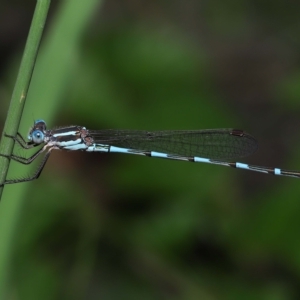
(109,226)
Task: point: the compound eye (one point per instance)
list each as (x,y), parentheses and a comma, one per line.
(37,137)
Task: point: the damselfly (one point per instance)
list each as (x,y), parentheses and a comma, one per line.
(213,146)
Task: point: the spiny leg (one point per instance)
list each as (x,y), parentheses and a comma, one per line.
(35,175)
(24,160)
(21,141)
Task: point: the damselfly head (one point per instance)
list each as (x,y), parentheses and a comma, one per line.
(37,136)
(39,123)
(37,132)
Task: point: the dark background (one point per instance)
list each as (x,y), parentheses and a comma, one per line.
(110,226)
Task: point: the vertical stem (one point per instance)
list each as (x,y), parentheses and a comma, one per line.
(22,84)
(12,123)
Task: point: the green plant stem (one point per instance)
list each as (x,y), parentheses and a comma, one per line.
(22,84)
(58,55)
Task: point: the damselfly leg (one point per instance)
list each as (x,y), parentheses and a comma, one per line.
(27,160)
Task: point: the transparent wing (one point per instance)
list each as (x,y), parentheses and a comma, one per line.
(210,143)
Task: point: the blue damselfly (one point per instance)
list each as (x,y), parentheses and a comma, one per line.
(213,146)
